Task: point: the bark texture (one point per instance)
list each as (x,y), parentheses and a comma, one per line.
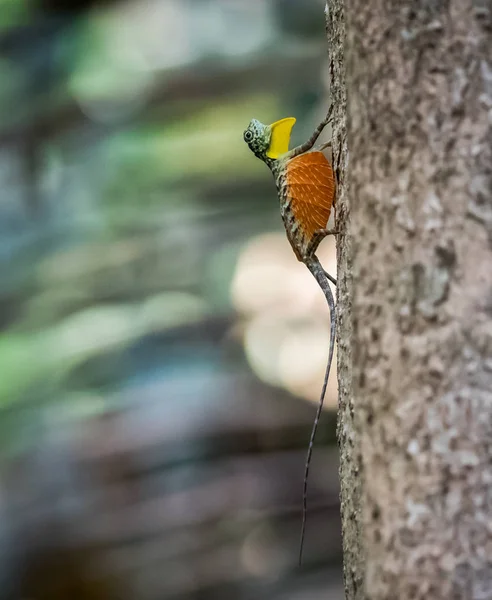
(350,482)
(419,87)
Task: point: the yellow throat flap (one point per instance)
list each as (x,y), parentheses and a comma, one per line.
(279,142)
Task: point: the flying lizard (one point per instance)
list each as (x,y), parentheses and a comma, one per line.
(306,190)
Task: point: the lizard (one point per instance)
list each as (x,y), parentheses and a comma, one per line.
(306,190)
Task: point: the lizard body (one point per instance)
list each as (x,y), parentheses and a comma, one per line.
(306,191)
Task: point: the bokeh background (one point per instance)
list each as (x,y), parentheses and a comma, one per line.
(161,350)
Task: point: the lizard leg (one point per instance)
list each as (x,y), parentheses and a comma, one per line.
(316,238)
(312,140)
(324,146)
(330,277)
(319,235)
(322,233)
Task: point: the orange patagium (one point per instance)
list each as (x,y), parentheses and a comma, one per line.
(306,190)
(304,180)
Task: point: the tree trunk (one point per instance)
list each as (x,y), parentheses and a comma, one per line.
(350,482)
(418,382)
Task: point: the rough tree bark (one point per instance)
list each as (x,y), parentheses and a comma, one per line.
(415,423)
(350,482)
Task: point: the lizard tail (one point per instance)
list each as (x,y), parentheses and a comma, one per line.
(317,270)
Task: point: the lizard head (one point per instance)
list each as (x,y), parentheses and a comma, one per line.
(269,141)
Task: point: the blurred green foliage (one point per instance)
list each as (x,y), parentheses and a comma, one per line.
(127,192)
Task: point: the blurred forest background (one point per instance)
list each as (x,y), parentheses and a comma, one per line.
(161,349)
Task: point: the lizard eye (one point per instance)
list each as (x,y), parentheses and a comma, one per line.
(248,136)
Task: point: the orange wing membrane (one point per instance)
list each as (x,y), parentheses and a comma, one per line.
(310,193)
